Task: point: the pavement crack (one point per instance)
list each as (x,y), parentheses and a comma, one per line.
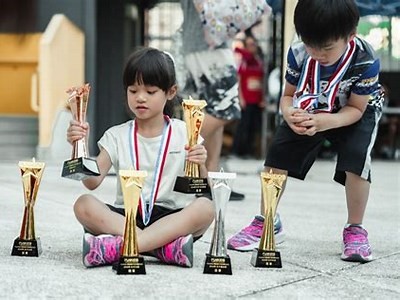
(252,293)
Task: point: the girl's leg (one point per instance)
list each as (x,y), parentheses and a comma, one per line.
(96,217)
(193,219)
(357,192)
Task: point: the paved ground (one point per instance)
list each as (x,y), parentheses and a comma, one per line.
(313,213)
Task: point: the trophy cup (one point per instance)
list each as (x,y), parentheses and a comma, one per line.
(27,244)
(266,256)
(217,260)
(130,263)
(193,115)
(79,166)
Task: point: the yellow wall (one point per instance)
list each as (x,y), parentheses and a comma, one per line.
(19,56)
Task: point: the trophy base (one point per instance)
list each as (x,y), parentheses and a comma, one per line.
(191,185)
(266,259)
(80,168)
(130,265)
(217,265)
(30,248)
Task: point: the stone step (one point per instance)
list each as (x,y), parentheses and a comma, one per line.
(18,137)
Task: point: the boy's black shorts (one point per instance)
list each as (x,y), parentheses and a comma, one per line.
(353,144)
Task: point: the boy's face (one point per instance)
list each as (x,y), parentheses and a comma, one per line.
(330,53)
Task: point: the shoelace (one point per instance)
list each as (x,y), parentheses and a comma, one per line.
(95,256)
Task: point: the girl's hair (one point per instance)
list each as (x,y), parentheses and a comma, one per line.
(318,22)
(150,66)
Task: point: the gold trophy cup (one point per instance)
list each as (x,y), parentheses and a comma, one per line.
(193,115)
(27,244)
(130,263)
(266,255)
(80,166)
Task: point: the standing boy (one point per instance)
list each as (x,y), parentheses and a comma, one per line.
(331,92)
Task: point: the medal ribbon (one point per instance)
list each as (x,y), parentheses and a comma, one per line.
(308,88)
(145,210)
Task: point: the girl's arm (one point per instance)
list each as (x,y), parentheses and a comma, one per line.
(77,131)
(104,164)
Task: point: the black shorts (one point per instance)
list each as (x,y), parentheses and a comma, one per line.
(157,213)
(353,144)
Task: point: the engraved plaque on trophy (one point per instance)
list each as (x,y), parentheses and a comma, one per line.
(130,263)
(27,244)
(80,166)
(266,256)
(217,260)
(193,115)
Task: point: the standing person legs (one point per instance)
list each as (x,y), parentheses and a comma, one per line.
(214,75)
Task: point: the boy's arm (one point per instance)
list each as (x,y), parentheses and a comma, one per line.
(347,115)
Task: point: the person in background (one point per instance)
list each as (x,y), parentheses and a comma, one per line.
(212,77)
(251,98)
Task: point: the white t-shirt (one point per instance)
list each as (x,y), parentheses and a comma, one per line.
(116,141)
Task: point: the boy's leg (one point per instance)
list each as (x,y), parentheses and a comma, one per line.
(353,170)
(288,151)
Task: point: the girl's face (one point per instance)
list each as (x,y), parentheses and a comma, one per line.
(330,53)
(147,101)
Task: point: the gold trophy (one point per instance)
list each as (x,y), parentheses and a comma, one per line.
(193,115)
(27,244)
(266,256)
(130,263)
(79,166)
(217,260)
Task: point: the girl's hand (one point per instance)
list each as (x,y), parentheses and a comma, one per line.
(197,154)
(77,131)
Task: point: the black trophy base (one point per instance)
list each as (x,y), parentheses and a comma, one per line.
(130,265)
(217,265)
(80,168)
(266,259)
(191,185)
(31,248)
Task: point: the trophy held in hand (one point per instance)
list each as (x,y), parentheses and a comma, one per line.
(193,115)
(80,166)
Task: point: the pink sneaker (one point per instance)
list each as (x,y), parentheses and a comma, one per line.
(178,252)
(100,250)
(355,245)
(249,237)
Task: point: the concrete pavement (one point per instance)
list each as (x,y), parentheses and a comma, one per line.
(313,214)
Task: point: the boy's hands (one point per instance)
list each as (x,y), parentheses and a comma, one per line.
(197,154)
(77,131)
(303,122)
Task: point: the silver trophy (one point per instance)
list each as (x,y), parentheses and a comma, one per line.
(217,260)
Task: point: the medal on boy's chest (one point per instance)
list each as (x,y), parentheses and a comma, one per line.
(310,94)
(146,205)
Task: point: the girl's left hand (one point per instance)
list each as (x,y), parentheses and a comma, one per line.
(197,154)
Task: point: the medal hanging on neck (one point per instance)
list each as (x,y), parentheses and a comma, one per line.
(146,207)
(308,92)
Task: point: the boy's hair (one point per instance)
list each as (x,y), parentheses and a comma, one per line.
(318,22)
(150,66)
